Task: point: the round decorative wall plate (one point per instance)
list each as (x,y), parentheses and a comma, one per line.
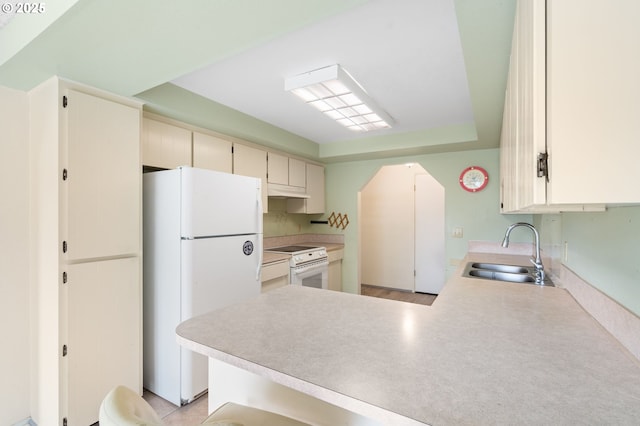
(474,179)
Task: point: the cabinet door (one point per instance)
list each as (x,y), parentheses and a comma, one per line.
(593,100)
(297,173)
(103,178)
(335,276)
(210,152)
(275,275)
(523,131)
(104,333)
(315,190)
(164,145)
(249,161)
(278,169)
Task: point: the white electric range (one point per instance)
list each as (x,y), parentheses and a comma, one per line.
(308,265)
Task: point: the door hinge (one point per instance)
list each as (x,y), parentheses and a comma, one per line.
(543,165)
(64,247)
(64,277)
(65,174)
(64,350)
(64,102)
(64,421)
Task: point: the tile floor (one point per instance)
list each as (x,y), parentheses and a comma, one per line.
(189,415)
(404,296)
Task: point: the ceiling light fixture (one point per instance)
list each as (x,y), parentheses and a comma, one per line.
(333,91)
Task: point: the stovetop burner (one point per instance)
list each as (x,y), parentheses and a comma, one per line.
(302,255)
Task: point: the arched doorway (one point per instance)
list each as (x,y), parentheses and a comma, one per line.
(401,216)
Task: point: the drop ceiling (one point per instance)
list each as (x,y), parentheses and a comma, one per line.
(438,67)
(407,55)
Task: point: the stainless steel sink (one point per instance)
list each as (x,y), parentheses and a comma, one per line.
(500,272)
(502,268)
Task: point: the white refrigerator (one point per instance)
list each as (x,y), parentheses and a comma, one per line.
(202,251)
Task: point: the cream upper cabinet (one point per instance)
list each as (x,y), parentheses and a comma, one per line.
(213,153)
(249,161)
(278,169)
(284,170)
(315,190)
(571,96)
(593,104)
(164,145)
(297,172)
(102,177)
(523,129)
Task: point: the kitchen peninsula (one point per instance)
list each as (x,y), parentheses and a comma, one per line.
(486,352)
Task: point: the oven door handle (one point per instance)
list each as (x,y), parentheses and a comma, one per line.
(303,269)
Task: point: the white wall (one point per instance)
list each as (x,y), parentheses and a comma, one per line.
(14,256)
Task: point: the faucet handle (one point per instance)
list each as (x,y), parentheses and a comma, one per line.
(535,262)
(540,275)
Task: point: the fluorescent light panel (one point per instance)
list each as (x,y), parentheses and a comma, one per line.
(335,93)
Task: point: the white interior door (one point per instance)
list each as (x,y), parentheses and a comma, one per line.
(387,223)
(402,230)
(429,230)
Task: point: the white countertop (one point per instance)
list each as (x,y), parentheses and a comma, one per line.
(486,352)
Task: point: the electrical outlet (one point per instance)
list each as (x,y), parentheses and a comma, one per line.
(457,232)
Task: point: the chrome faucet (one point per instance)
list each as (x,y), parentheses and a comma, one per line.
(537,261)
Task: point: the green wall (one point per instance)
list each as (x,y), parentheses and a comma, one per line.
(477,213)
(602,248)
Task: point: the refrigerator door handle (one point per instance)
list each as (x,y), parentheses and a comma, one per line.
(259,206)
(259,268)
(259,219)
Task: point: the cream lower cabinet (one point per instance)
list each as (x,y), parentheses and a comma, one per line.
(571,95)
(85,284)
(275,275)
(104,300)
(250,161)
(315,190)
(165,145)
(335,269)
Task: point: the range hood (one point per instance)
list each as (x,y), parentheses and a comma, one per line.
(286,191)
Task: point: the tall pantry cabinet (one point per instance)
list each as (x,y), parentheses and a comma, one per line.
(86,322)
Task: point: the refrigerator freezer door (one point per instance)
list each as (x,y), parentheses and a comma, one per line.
(216,272)
(216,203)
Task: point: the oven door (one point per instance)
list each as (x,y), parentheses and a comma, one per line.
(313,274)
